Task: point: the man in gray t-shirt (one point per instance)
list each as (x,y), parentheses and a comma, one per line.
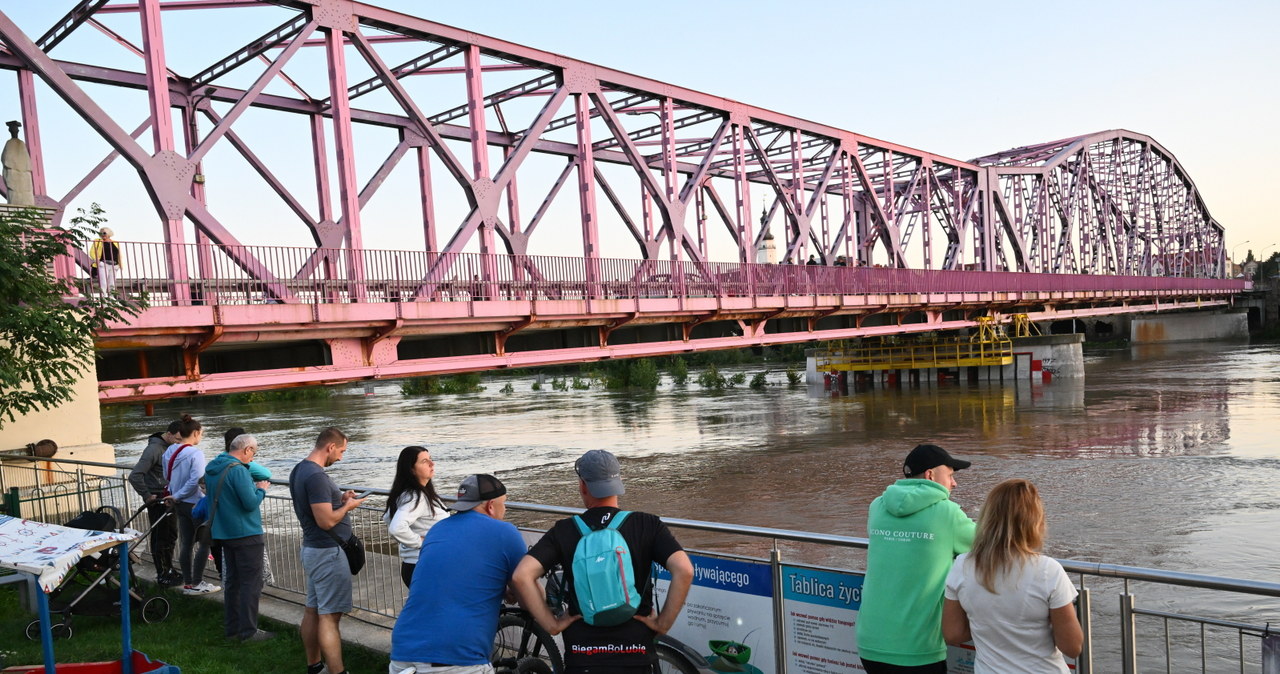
(323,511)
(308,485)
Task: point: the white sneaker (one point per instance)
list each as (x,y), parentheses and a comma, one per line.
(204,587)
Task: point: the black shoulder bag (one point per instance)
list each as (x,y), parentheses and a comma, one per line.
(353,548)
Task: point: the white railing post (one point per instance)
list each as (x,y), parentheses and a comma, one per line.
(1128,634)
(779,626)
(1084,611)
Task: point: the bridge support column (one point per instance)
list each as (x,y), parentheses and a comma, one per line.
(1189,327)
(1058,355)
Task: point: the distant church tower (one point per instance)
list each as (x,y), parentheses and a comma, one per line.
(768,252)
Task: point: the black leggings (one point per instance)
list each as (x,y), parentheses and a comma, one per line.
(874,667)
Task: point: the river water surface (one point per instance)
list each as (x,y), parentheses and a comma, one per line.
(1162,456)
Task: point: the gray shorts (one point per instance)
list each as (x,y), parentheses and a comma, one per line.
(328,579)
(398,667)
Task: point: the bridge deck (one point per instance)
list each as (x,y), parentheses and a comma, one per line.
(530,311)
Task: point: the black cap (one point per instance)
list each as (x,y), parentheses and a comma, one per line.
(476,489)
(924,457)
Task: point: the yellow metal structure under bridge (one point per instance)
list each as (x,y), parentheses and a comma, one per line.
(989,346)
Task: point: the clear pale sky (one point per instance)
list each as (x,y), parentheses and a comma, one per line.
(960,79)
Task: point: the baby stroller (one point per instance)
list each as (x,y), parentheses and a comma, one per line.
(92,587)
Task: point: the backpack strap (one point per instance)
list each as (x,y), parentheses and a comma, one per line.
(213,503)
(614,522)
(168,473)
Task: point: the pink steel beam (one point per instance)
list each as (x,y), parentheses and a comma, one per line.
(345,142)
(31,130)
(186,4)
(78,15)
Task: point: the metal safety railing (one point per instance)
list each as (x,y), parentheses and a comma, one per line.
(1132,639)
(207,274)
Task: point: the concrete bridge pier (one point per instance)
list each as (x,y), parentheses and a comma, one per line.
(1036,357)
(77,428)
(1189,327)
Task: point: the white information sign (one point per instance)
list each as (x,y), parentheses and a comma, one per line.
(728,617)
(820,608)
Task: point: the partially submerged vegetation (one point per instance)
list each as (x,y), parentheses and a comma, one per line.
(281,395)
(459,383)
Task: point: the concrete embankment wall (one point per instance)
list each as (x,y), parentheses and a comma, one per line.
(76,426)
(1189,327)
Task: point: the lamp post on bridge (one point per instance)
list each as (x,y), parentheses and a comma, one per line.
(1262,262)
(1233,253)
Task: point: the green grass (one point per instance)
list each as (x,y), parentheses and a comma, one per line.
(190,638)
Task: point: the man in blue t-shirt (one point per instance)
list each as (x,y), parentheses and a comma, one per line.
(451,615)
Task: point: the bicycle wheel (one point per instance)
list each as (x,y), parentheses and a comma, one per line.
(155,610)
(671,662)
(520,638)
(533,666)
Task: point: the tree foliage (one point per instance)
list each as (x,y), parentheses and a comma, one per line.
(46,325)
(637,373)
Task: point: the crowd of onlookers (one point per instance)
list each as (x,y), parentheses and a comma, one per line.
(934,576)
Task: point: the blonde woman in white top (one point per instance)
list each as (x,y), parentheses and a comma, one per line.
(412,506)
(1015,603)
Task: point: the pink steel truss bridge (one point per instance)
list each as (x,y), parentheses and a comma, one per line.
(695,197)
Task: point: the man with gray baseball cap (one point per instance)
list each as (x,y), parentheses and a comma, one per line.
(595,649)
(600,473)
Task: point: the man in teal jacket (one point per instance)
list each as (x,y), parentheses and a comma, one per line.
(915,531)
(235,498)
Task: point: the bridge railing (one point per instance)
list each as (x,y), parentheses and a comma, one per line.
(180,274)
(1173,633)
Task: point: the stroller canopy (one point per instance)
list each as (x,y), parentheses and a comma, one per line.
(48,550)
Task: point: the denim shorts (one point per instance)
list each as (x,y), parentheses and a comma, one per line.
(328,579)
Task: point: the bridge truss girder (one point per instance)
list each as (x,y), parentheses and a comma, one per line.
(1114,202)
(667,168)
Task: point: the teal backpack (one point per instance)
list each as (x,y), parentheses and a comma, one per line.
(603,577)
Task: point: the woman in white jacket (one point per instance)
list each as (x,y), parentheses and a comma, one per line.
(412,506)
